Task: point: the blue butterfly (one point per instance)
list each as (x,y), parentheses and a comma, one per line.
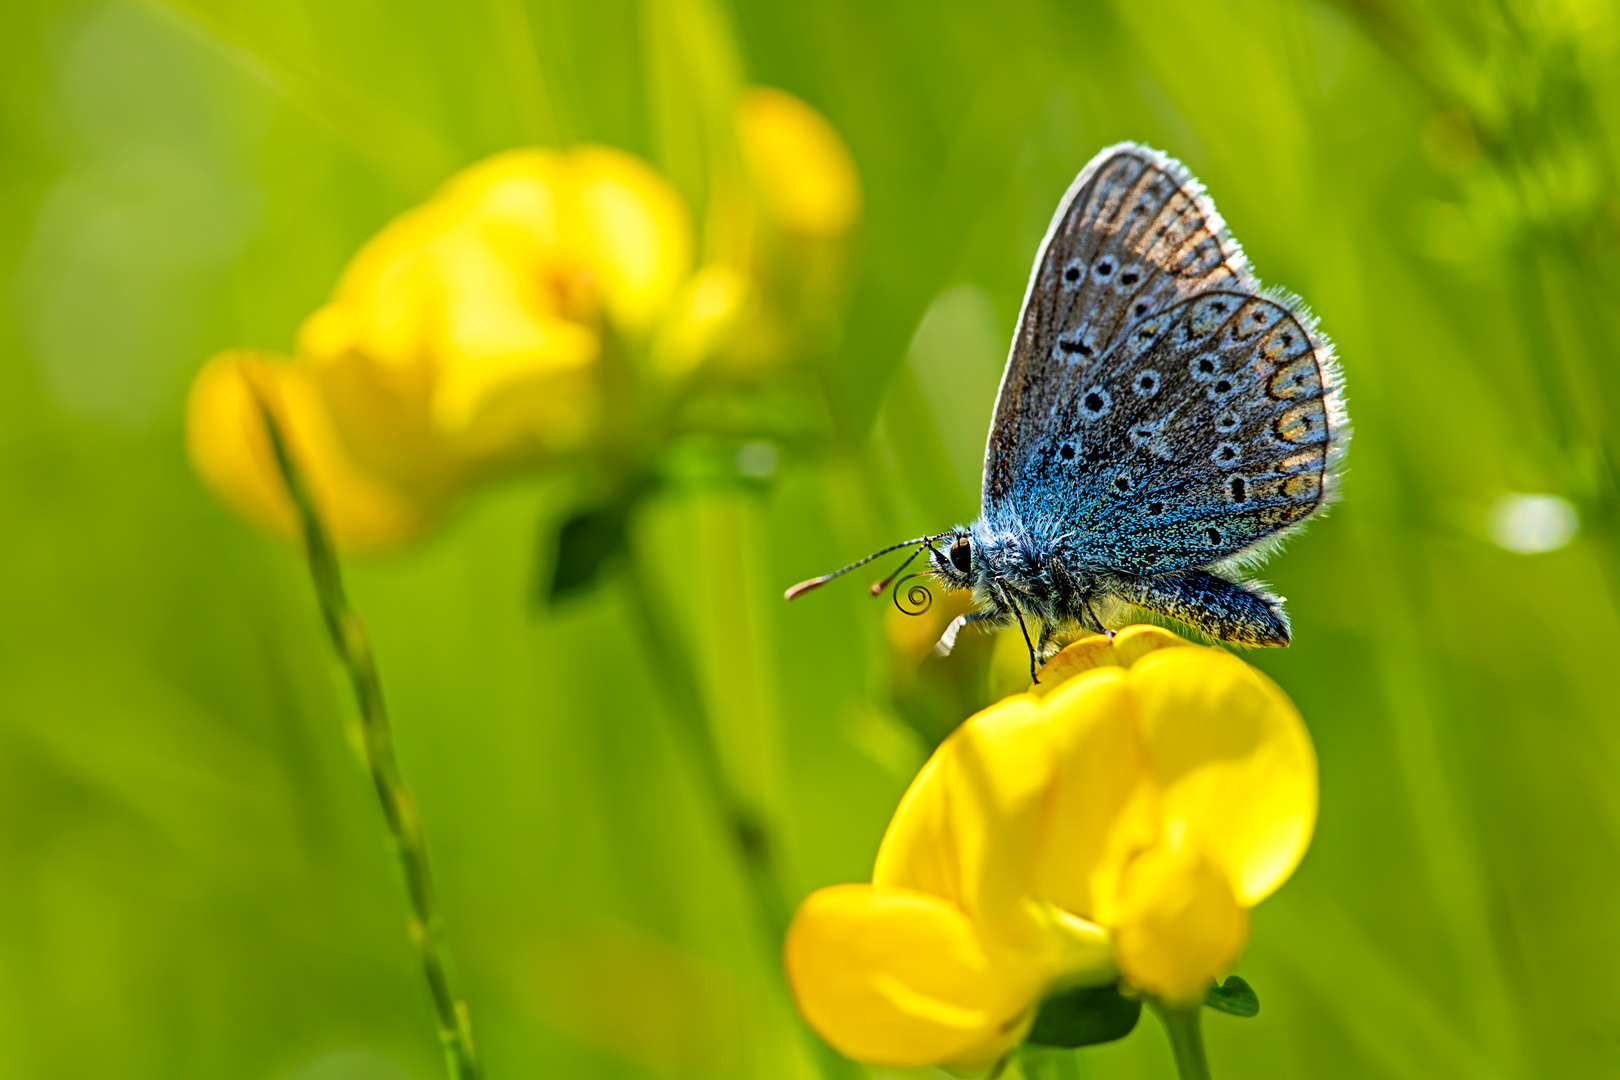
(1162,424)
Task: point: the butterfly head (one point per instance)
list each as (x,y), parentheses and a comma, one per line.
(982,556)
(955,559)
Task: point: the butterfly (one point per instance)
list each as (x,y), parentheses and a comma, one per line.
(1162,423)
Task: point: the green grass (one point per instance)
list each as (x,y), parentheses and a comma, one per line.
(193,878)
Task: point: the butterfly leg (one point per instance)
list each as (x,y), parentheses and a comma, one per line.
(1019,615)
(1220,608)
(1098,622)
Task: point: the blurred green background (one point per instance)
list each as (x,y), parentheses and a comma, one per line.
(193,881)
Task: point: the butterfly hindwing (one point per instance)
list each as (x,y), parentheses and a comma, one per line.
(1196,418)
(1217,434)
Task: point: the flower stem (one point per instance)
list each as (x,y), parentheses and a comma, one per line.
(677,679)
(353,648)
(1186,1039)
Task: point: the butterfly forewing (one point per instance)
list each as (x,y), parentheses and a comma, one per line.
(1133,235)
(1156,406)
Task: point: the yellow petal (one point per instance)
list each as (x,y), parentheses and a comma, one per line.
(1101,811)
(1233,764)
(1096,650)
(1090,652)
(477,367)
(389,293)
(1179,924)
(631,228)
(490,307)
(800,163)
(230,448)
(1135,642)
(901,978)
(595,219)
(522,189)
(919,851)
(380,409)
(497,340)
(506,406)
(970,827)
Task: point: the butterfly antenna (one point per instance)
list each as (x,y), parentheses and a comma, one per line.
(879,586)
(817,582)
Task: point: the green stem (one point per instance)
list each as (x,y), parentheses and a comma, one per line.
(353,647)
(677,681)
(1186,1039)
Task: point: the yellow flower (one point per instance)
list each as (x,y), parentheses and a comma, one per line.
(467,333)
(1120,823)
(776,240)
(799,162)
(228,444)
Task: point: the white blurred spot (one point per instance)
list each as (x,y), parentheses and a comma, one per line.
(756,459)
(1532,523)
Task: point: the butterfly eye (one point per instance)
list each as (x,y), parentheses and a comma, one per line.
(962,554)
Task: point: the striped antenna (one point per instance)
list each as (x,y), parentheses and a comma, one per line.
(879,586)
(817,582)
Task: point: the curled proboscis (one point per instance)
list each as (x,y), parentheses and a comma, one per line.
(918,599)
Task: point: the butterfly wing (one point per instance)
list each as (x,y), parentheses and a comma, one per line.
(1158,410)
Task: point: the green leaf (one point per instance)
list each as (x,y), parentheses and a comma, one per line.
(1085,1016)
(587,545)
(1233,996)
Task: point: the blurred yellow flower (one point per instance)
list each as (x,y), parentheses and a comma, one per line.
(500,322)
(799,162)
(1119,824)
(782,226)
(467,332)
(228,444)
(466,335)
